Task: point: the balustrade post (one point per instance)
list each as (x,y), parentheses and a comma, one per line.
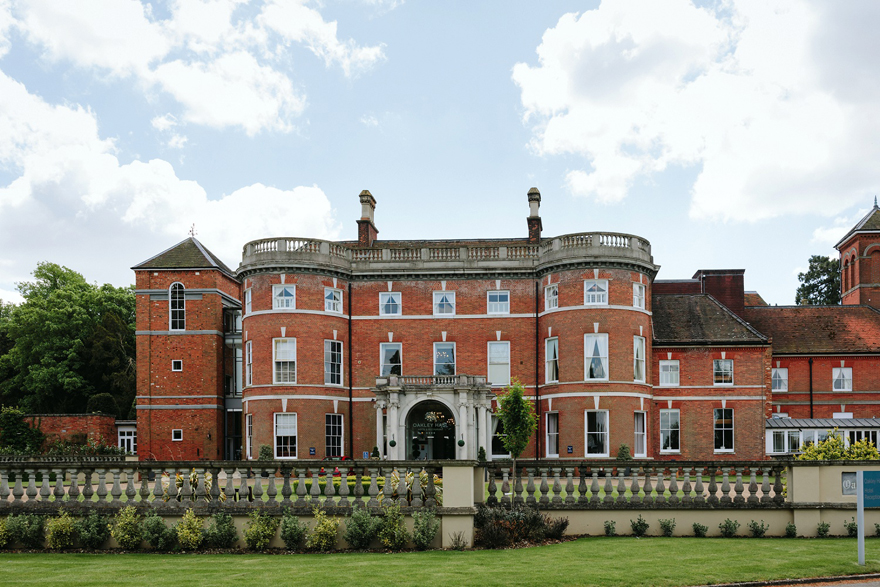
(130,491)
(753,486)
(634,487)
(649,487)
(102,486)
(713,485)
(315,489)
(59,485)
(258,487)
(673,487)
(698,490)
(739,488)
(344,490)
(4,488)
(285,487)
(686,487)
(301,488)
(200,494)
(431,500)
(557,487)
(517,486)
(271,489)
(73,492)
(229,488)
(158,490)
(373,491)
(358,488)
(116,488)
(661,489)
(215,485)
(45,488)
(725,485)
(417,500)
(621,486)
(582,485)
(186,491)
(530,486)
(609,489)
(492,499)
(594,487)
(388,490)
(18,490)
(569,485)
(778,498)
(330,488)
(765,485)
(505,488)
(143,492)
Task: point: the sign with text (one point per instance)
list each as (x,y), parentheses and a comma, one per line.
(848,483)
(867,496)
(871,489)
(312,451)
(366,454)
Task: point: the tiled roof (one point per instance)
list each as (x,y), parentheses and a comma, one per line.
(187,254)
(699,319)
(753,298)
(824,423)
(871,221)
(818,329)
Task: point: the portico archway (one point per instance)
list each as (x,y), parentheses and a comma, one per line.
(430,431)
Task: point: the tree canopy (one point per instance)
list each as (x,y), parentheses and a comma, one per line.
(820,284)
(68,341)
(517,415)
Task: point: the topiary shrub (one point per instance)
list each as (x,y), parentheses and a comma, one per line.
(610,528)
(481,454)
(127,529)
(790,530)
(93,530)
(700,530)
(361,528)
(266,453)
(293,532)
(260,531)
(425,527)
(323,536)
(157,533)
(758,530)
(25,529)
(60,531)
(639,526)
(822,529)
(103,403)
(222,532)
(623,453)
(728,528)
(667,527)
(190,531)
(393,534)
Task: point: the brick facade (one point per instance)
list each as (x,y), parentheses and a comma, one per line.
(75,427)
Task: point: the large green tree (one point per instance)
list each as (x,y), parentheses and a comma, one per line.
(68,341)
(820,284)
(517,415)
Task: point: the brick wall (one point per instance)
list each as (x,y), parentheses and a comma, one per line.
(95,427)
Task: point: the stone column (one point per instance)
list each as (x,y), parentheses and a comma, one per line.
(461,453)
(484,432)
(380,428)
(394,429)
(471,436)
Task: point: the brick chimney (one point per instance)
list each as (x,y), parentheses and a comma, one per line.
(367,232)
(725,285)
(534,219)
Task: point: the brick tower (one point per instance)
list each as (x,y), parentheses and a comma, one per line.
(860,261)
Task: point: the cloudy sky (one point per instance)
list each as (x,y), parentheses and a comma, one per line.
(729,134)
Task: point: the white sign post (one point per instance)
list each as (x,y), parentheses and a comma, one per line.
(860,513)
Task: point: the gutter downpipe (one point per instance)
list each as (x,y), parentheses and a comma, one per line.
(350,392)
(537,388)
(811,387)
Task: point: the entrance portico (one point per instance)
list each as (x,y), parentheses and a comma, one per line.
(432,417)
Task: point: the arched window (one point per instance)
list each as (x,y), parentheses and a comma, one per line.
(177,307)
(875,266)
(844,277)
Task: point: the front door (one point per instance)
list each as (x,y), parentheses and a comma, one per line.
(430,432)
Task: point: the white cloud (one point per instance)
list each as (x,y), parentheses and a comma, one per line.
(369,120)
(177,141)
(75,203)
(226,67)
(6,22)
(755,96)
(163,123)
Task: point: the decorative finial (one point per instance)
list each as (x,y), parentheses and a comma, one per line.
(192,230)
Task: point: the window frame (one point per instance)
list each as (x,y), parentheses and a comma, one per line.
(668,429)
(382,346)
(454,358)
(716,429)
(436,303)
(249,436)
(644,435)
(502,308)
(177,435)
(606,435)
(643,360)
(340,352)
(669,363)
(384,296)
(276,361)
(720,373)
(295,435)
(587,283)
(176,295)
(327,436)
(603,358)
(548,434)
(547,361)
(551,300)
(275,299)
(773,379)
(249,363)
(176,365)
(639,292)
(494,423)
(248,301)
(330,304)
(126,439)
(841,370)
(489,363)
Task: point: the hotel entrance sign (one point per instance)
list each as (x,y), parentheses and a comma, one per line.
(868,495)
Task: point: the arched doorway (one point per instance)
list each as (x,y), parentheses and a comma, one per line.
(430,431)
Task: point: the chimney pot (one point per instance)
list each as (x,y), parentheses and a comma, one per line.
(534,219)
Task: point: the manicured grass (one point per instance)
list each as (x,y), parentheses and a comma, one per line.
(587,561)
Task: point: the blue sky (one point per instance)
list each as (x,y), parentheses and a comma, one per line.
(730,134)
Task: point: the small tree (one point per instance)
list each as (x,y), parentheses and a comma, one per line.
(517,415)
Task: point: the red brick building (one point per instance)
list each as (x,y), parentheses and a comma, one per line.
(316,348)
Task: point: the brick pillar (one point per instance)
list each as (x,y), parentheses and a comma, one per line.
(534,219)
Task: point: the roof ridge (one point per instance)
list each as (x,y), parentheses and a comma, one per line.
(737,317)
(157,255)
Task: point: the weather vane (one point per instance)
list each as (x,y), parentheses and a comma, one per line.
(192,230)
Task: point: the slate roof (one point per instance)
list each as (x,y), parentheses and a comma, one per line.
(753,298)
(824,423)
(871,221)
(699,319)
(187,254)
(818,329)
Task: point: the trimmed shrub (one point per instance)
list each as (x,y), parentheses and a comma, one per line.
(790,530)
(877,530)
(25,529)
(667,527)
(852,528)
(93,530)
(758,530)
(103,403)
(425,527)
(361,528)
(639,526)
(610,528)
(127,529)
(266,453)
(481,456)
(554,528)
(4,534)
(822,529)
(222,532)
(293,532)
(260,531)
(623,453)
(492,529)
(728,528)
(700,530)
(190,531)
(157,534)
(323,536)
(393,534)
(60,531)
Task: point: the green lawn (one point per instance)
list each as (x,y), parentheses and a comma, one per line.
(587,561)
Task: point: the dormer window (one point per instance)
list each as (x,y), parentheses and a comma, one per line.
(177,307)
